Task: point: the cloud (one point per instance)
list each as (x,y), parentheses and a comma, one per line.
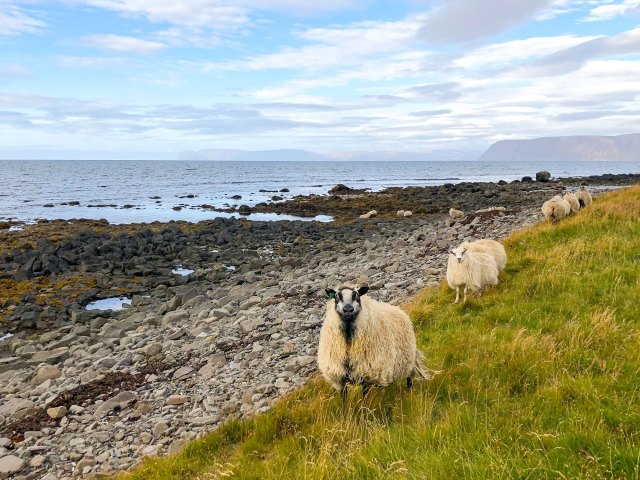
(68,115)
(119,43)
(612,10)
(9,70)
(13,21)
(464,21)
(574,58)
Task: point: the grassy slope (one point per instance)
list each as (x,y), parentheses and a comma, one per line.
(541,379)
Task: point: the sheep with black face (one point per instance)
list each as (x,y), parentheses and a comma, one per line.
(365,342)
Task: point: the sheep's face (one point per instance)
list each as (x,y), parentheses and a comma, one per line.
(459,254)
(347,302)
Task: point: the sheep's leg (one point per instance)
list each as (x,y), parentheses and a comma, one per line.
(409,382)
(365,388)
(465,295)
(343,390)
(457,295)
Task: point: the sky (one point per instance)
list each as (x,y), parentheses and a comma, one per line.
(144,79)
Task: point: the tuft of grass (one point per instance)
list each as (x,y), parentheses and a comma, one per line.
(539,379)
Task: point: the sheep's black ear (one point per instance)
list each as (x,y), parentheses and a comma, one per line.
(363,290)
(330,292)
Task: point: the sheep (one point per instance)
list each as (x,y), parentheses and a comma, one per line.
(555,209)
(407,213)
(456,214)
(471,270)
(493,248)
(365,342)
(573,202)
(400,213)
(584,197)
(370,214)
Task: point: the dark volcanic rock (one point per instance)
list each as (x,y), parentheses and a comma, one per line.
(244,210)
(543,176)
(340,189)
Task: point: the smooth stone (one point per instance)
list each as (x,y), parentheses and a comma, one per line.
(182,373)
(57,412)
(177,399)
(9,465)
(44,373)
(120,401)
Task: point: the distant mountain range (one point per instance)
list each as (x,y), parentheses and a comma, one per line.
(574,148)
(304,155)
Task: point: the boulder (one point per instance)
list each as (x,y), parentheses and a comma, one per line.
(10,465)
(543,176)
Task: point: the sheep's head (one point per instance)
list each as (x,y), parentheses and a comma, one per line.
(459,253)
(347,301)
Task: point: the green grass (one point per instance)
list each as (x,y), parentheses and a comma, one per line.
(540,379)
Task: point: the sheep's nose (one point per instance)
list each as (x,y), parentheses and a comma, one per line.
(347,309)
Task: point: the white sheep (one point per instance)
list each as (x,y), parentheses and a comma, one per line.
(456,214)
(407,213)
(556,209)
(584,197)
(365,342)
(493,248)
(370,214)
(400,213)
(471,270)
(573,201)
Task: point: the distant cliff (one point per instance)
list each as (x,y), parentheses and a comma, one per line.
(575,148)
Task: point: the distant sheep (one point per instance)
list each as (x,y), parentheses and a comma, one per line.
(370,214)
(365,342)
(471,270)
(493,248)
(400,213)
(584,197)
(456,214)
(573,202)
(407,213)
(556,209)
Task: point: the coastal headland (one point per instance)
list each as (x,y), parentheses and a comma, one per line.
(94,391)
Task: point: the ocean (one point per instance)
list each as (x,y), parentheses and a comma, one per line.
(146,191)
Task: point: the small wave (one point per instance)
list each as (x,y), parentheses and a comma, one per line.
(437,179)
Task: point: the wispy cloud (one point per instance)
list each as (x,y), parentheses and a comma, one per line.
(13,71)
(14,21)
(122,44)
(612,10)
(574,58)
(462,21)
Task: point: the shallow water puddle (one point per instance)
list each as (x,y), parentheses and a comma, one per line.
(230,268)
(6,337)
(179,270)
(113,303)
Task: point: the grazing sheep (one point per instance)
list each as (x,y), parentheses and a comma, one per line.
(493,248)
(365,342)
(370,214)
(573,201)
(584,197)
(400,213)
(407,213)
(456,214)
(471,270)
(556,209)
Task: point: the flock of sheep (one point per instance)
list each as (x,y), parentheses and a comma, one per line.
(559,207)
(366,342)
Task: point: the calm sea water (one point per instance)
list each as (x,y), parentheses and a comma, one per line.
(26,186)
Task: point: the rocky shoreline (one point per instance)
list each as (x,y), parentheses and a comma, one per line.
(87,392)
